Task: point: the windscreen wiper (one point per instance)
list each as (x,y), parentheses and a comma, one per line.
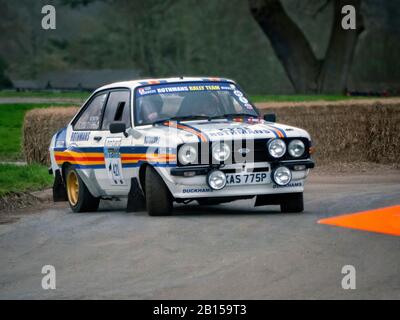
(180,118)
(240,114)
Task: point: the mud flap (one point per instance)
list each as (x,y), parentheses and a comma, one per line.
(136,200)
(59,191)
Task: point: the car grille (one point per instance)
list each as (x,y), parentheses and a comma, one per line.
(248,151)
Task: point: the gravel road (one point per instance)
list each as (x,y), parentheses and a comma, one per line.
(231,251)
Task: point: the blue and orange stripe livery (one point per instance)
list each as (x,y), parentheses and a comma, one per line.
(145,83)
(93,158)
(185,127)
(278,132)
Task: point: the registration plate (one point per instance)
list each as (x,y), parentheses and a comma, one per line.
(248,178)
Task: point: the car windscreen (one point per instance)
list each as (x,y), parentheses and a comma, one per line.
(190,100)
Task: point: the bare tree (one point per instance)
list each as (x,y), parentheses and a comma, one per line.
(306,73)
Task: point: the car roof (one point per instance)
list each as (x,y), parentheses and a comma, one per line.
(142,82)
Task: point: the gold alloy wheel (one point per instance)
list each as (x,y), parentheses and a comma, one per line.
(72,188)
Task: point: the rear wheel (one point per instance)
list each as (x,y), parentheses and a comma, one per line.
(79,197)
(293,202)
(158,197)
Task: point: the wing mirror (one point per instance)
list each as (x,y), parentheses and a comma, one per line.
(270,117)
(118,127)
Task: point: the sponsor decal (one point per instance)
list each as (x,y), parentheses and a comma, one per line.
(228,88)
(238,131)
(290,185)
(80,136)
(146,91)
(186,87)
(151,140)
(243,99)
(112,159)
(176,88)
(196,190)
(172,89)
(248,106)
(238,93)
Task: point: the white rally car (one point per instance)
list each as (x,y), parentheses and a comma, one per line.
(177,139)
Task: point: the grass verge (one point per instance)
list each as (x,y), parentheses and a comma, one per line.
(11,120)
(15,178)
(45,94)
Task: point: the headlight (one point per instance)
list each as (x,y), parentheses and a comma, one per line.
(187,154)
(221,152)
(282,176)
(276,148)
(296,148)
(216,179)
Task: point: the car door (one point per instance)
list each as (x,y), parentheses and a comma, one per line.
(117,109)
(85,143)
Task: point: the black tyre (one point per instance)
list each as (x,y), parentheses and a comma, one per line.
(158,197)
(293,202)
(79,197)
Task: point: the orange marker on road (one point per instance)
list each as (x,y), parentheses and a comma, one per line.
(383,220)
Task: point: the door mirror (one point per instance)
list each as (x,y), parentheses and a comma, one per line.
(118,127)
(270,117)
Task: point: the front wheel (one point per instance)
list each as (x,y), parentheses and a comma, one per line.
(158,198)
(79,197)
(293,202)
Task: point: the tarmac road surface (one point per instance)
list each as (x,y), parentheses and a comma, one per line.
(230,251)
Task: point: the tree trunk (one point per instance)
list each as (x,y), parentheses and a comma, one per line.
(288,42)
(339,56)
(306,73)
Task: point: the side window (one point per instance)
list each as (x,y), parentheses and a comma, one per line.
(117,109)
(91,116)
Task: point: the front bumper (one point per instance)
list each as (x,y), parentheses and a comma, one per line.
(190,182)
(203,170)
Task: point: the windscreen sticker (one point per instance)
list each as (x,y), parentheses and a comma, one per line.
(176,88)
(184,87)
(112,157)
(238,93)
(243,99)
(146,91)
